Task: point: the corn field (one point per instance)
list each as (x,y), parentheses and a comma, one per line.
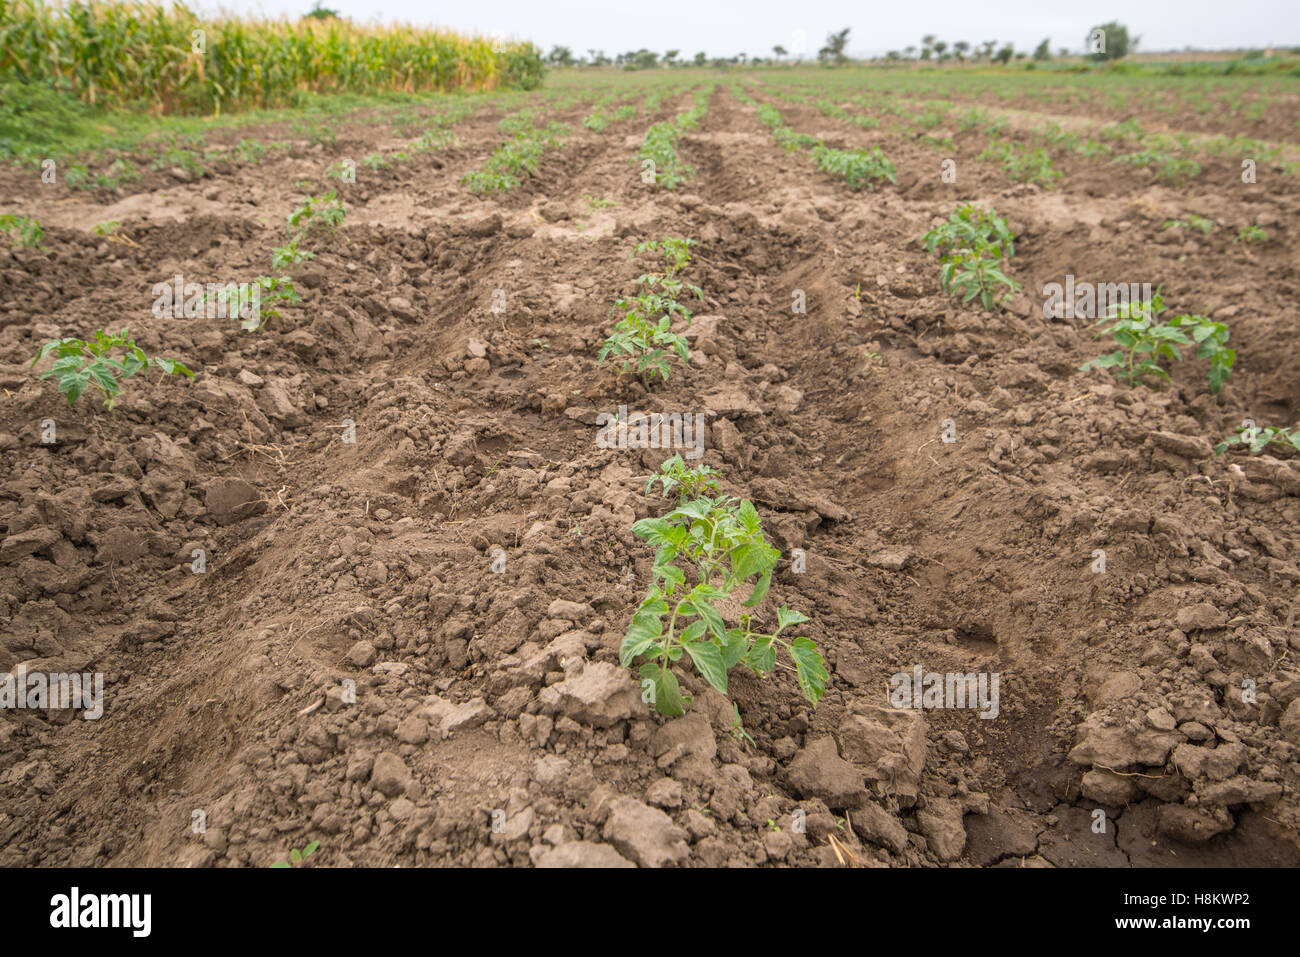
(170,60)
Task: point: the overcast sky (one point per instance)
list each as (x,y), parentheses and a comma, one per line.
(754,26)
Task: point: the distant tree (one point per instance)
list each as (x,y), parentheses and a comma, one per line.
(561,56)
(961,48)
(319,12)
(1005,54)
(701,58)
(670,57)
(1043,50)
(893,55)
(833,51)
(644,59)
(927,46)
(909,52)
(1117,42)
(987,48)
(939,47)
(1062,52)
(779,50)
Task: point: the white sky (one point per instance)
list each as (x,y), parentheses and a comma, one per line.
(754,26)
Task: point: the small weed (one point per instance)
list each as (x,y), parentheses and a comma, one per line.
(297,857)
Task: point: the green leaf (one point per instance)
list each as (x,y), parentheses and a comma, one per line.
(712,617)
(708,659)
(734,648)
(641,634)
(666,693)
(694,631)
(785,617)
(760,590)
(810,667)
(761,655)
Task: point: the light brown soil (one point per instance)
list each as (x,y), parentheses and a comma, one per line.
(372,562)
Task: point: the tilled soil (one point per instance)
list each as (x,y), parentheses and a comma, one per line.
(405,646)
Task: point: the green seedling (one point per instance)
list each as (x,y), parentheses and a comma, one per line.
(21,230)
(282,257)
(719,541)
(1251,236)
(791,140)
(676,251)
(643,333)
(344,172)
(376,161)
(858,167)
(187,160)
(107,228)
(516,158)
(1211,340)
(297,857)
(1200,223)
(678,481)
(249,151)
(1175,169)
(1142,342)
(317,134)
(1022,164)
(80,362)
(436,139)
(252,307)
(659,151)
(1257,439)
(972,246)
(323,210)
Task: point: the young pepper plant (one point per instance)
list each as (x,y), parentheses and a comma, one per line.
(643,334)
(1143,342)
(718,540)
(81,362)
(972,247)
